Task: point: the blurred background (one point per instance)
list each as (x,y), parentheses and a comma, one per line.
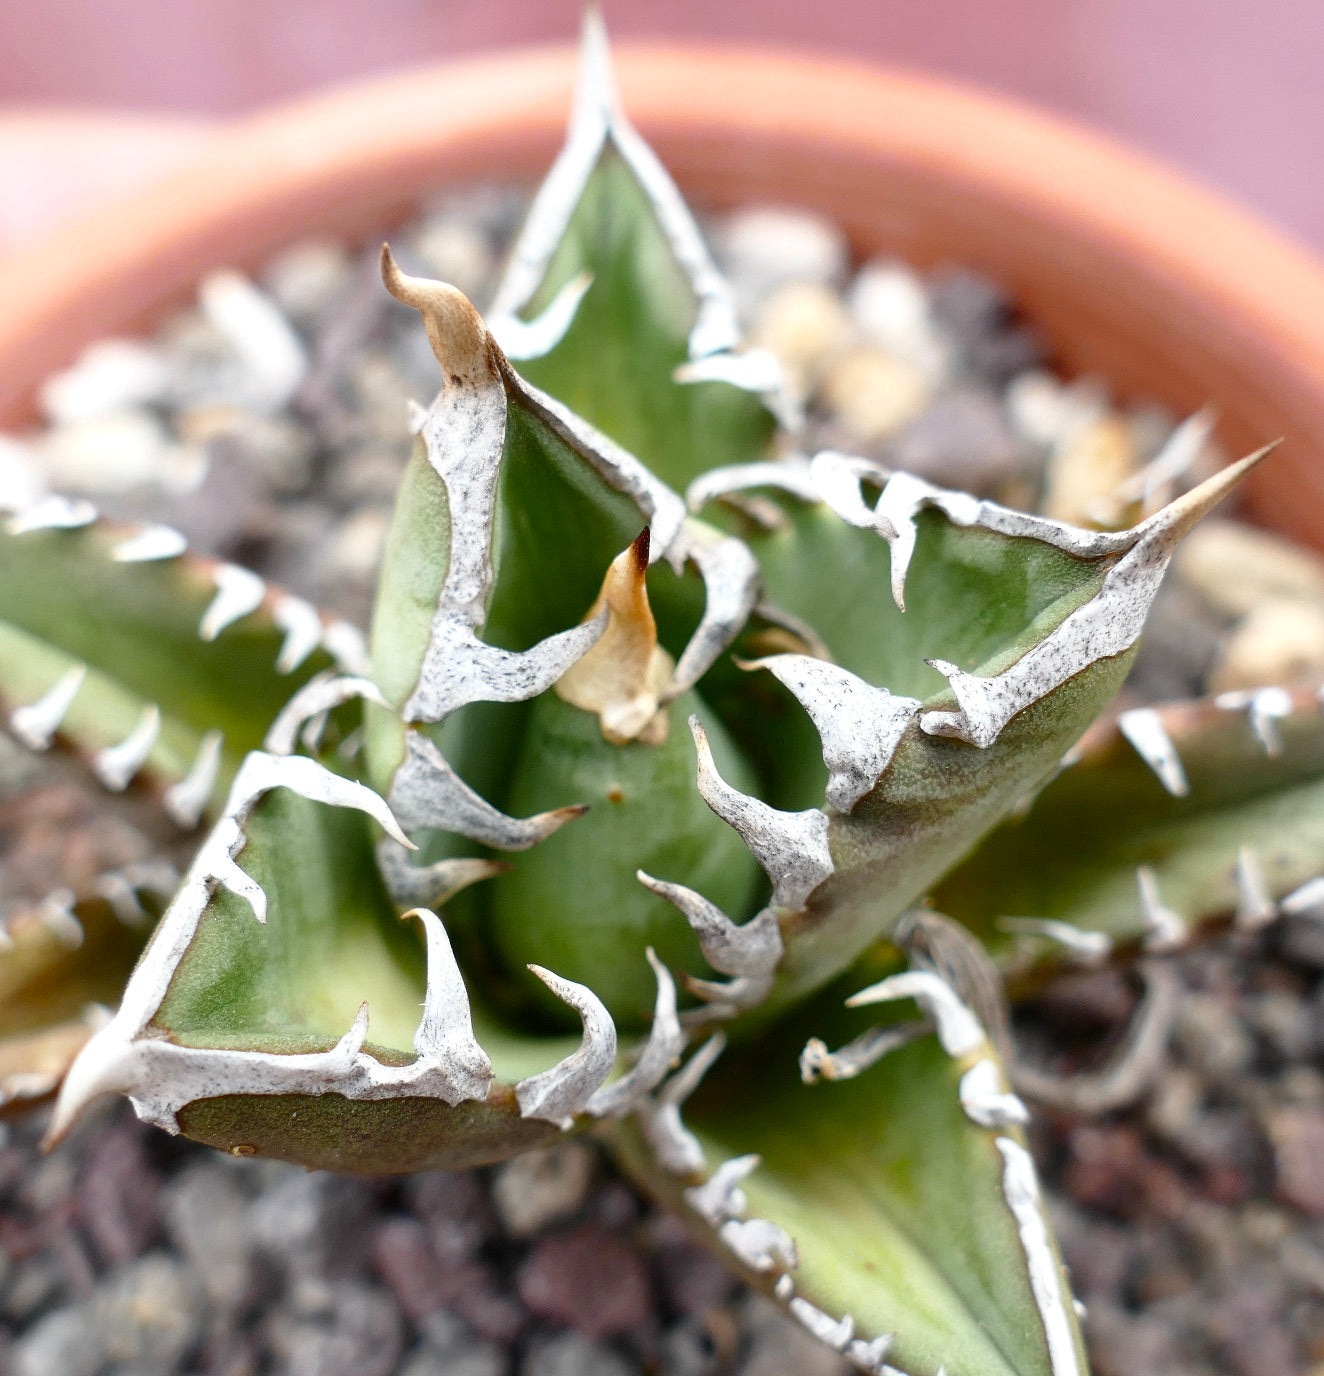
(1229,90)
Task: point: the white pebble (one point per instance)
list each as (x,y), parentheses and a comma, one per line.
(111,376)
(890,305)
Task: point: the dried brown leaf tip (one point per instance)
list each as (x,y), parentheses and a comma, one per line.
(459,338)
(624,675)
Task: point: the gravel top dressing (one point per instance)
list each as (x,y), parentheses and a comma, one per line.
(270,426)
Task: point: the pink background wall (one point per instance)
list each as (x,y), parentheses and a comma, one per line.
(1229,89)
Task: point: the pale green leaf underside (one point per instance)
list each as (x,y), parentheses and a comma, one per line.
(1074,855)
(894,1199)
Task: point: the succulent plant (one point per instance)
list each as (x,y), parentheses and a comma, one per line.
(675,747)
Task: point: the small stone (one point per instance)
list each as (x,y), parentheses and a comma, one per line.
(382,395)
(1123,1343)
(762,248)
(1212,1038)
(454,1208)
(960,440)
(693,1282)
(543,1187)
(278,450)
(806,327)
(1280,641)
(1044,411)
(482,1359)
(977,318)
(873,394)
(688,1350)
(573,1354)
(1085,471)
(314,1224)
(117,1194)
(1236,568)
(308,279)
(149,1314)
(1285,1022)
(589,1280)
(1171,1109)
(66,1342)
(456,251)
(360,1333)
(37,1283)
(111,377)
(405,1260)
(205,1214)
(368,473)
(111,453)
(890,305)
(1301,940)
(1297,1135)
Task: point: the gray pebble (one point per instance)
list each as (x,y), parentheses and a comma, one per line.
(1211,1037)
(150,1313)
(764,247)
(356,1331)
(961,440)
(35,1284)
(307,280)
(543,1187)
(313,1223)
(572,1354)
(205,1215)
(687,1350)
(481,1359)
(66,1342)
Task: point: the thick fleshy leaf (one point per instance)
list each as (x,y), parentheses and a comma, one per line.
(283,1009)
(156,666)
(1222,816)
(511,514)
(1033,625)
(609,238)
(903,1198)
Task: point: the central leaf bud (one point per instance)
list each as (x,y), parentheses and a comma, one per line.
(606,736)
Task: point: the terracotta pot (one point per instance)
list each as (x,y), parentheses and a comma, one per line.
(1131,271)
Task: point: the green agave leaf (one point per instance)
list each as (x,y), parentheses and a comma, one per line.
(894,1210)
(511,513)
(1031,623)
(1167,818)
(283,1009)
(277,1008)
(157,666)
(610,291)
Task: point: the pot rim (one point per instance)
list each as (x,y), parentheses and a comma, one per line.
(1131,269)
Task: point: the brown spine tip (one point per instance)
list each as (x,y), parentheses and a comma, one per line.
(456,331)
(640,550)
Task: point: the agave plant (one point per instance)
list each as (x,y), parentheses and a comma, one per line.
(687,757)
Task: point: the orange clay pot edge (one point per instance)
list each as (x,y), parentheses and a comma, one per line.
(1130,270)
